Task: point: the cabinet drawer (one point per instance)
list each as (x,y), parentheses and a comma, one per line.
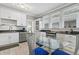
(70,48)
(70,38)
(70,42)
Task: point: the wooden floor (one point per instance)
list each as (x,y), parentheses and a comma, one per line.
(22,49)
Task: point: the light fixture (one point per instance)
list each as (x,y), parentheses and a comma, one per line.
(23,6)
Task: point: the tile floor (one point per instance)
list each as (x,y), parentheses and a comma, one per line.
(22,49)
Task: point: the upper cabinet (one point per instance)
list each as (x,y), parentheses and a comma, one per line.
(21,21)
(71,9)
(46,22)
(71,16)
(39,24)
(70,24)
(66,17)
(7,13)
(55,20)
(11,14)
(70,20)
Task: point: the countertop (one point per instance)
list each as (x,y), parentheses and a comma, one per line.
(70,33)
(11,31)
(62,32)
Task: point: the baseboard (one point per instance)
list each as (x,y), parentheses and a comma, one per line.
(22,41)
(8,46)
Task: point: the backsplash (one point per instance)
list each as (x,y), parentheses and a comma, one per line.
(11,27)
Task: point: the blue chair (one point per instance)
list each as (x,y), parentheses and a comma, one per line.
(59,52)
(39,51)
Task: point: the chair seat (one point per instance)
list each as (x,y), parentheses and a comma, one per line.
(59,52)
(40,51)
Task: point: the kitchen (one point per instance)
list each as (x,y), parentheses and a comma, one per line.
(25,26)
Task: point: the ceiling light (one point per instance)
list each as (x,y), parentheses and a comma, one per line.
(23,6)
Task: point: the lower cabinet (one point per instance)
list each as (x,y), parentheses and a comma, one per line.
(4,39)
(8,38)
(14,37)
(70,43)
(78,52)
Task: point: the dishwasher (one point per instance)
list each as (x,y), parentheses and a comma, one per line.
(22,37)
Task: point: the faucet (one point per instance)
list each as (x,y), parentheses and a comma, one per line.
(71,31)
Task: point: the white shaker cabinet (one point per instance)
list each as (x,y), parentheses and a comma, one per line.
(14,37)
(8,13)
(8,38)
(69,42)
(4,39)
(21,21)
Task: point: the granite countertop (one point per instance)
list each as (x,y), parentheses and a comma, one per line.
(6,31)
(69,33)
(62,32)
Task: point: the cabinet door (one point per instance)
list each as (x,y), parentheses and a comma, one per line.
(3,14)
(40,25)
(14,15)
(14,37)
(71,39)
(21,20)
(60,37)
(69,43)
(7,13)
(4,39)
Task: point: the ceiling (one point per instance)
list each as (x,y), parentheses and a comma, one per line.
(34,9)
